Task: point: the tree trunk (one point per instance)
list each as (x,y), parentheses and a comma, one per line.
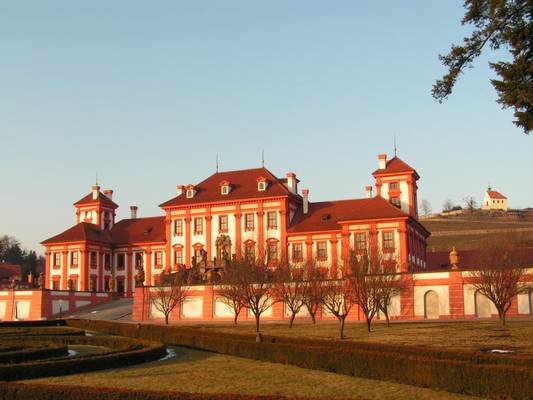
(313,318)
(166,319)
(368,322)
(501,314)
(291,320)
(257,322)
(235,318)
(387,318)
(341,320)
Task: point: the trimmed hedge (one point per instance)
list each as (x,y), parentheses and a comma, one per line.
(39,331)
(32,351)
(124,352)
(17,391)
(31,324)
(483,375)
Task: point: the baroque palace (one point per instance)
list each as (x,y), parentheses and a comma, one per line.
(247,213)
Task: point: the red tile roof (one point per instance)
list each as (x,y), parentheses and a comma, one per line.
(325,215)
(102,198)
(81,232)
(243,186)
(139,230)
(395,165)
(10,271)
(493,194)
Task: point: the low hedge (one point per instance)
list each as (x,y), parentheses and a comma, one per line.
(40,331)
(17,391)
(124,352)
(32,351)
(454,372)
(36,323)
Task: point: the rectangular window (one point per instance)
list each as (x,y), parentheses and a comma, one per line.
(178,256)
(74,258)
(121,261)
(360,241)
(248,222)
(272,251)
(272,221)
(107,261)
(57,259)
(394,186)
(198,226)
(297,254)
(139,261)
(106,283)
(249,251)
(223,223)
(94,259)
(158,258)
(388,240)
(395,201)
(55,285)
(178,227)
(322,251)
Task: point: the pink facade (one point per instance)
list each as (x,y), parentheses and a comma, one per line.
(429,295)
(21,305)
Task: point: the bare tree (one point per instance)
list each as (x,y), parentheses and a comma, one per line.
(231,291)
(338,300)
(257,281)
(470,204)
(169,291)
(447,205)
(313,291)
(425,206)
(500,271)
(289,289)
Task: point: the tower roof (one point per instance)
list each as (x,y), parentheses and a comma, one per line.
(394,166)
(102,198)
(493,194)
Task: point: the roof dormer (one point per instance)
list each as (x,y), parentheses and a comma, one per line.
(262,183)
(225,187)
(190,191)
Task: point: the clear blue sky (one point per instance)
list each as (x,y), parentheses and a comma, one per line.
(146,93)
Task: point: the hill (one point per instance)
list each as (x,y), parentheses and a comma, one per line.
(468,232)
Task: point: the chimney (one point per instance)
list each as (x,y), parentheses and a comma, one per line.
(96,190)
(305,193)
(180,189)
(368,190)
(292,182)
(133,210)
(109,194)
(382,161)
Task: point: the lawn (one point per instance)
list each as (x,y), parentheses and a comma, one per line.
(203,372)
(473,335)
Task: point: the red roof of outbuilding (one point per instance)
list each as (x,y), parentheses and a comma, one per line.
(10,271)
(325,215)
(493,194)
(395,165)
(102,198)
(139,230)
(243,186)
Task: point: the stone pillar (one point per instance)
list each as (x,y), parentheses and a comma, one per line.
(188,239)
(261,232)
(238,230)
(148,266)
(47,274)
(208,235)
(168,236)
(64,270)
(283,228)
(334,258)
(130,283)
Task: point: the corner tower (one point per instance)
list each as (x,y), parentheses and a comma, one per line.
(396,182)
(97,208)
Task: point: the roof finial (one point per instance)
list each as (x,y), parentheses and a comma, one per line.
(263,158)
(96,182)
(395,148)
(217,163)
(489,188)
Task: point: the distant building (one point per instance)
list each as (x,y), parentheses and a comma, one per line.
(494,200)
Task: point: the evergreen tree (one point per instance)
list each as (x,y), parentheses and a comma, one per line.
(497,23)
